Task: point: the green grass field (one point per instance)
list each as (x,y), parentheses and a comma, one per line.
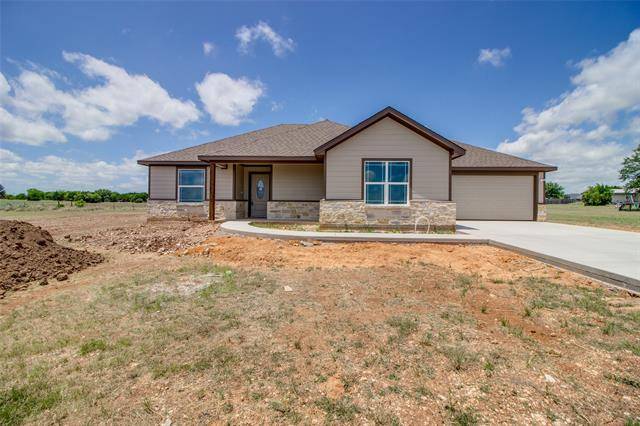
(598,216)
(21,209)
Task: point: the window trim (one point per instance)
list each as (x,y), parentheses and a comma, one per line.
(203,186)
(409,184)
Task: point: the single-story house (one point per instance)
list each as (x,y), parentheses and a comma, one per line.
(621,196)
(388,171)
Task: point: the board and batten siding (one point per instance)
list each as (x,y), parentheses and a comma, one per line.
(387,139)
(297,182)
(493,197)
(162,182)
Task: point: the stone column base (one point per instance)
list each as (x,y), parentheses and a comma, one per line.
(542,212)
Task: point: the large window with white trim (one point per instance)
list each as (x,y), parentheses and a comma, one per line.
(191,185)
(386,182)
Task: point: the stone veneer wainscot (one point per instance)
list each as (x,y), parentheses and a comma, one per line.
(300,210)
(435,215)
(168,209)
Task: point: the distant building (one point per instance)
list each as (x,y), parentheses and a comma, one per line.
(621,195)
(574,196)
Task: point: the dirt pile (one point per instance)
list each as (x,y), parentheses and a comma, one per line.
(28,253)
(152,237)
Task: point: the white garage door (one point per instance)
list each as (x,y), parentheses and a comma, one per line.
(493,197)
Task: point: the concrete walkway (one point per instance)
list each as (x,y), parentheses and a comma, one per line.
(608,255)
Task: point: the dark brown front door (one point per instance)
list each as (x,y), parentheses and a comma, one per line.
(259,194)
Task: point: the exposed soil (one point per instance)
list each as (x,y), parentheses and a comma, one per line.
(152,237)
(480,260)
(28,253)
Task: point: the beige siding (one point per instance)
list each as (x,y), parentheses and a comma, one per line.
(388,139)
(224,183)
(162,182)
(298,182)
(493,197)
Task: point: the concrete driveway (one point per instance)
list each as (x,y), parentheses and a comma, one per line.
(612,254)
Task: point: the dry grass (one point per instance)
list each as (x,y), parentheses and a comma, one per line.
(369,334)
(205,343)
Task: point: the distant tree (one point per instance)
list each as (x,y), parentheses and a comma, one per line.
(553,190)
(597,195)
(630,172)
(3,193)
(34,194)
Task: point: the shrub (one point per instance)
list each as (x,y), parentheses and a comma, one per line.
(553,190)
(80,203)
(597,195)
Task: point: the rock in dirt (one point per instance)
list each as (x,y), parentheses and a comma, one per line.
(29,254)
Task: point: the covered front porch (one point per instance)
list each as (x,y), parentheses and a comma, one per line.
(275,191)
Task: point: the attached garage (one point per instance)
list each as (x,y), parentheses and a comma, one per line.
(494,197)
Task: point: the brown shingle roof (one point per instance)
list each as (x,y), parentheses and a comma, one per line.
(284,140)
(298,141)
(476,157)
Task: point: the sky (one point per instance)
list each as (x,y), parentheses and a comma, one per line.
(88,88)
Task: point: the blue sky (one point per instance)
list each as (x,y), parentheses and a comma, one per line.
(88,88)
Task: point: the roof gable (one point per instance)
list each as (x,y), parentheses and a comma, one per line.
(399,117)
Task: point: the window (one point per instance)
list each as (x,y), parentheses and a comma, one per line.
(386,182)
(191,185)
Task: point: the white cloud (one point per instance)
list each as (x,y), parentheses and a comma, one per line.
(29,132)
(229,101)
(495,57)
(263,31)
(208,48)
(52,172)
(92,113)
(587,131)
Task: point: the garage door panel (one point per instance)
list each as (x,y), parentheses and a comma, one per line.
(493,197)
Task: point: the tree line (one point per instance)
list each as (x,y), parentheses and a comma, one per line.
(97,196)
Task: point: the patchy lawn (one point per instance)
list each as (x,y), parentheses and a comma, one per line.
(243,330)
(598,216)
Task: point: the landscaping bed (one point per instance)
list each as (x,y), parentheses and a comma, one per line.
(316,227)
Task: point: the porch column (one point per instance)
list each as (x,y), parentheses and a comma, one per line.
(212,191)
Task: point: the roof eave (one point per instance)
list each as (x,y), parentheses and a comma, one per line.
(541,168)
(258,158)
(169,163)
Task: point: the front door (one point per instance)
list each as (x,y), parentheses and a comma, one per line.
(259,194)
